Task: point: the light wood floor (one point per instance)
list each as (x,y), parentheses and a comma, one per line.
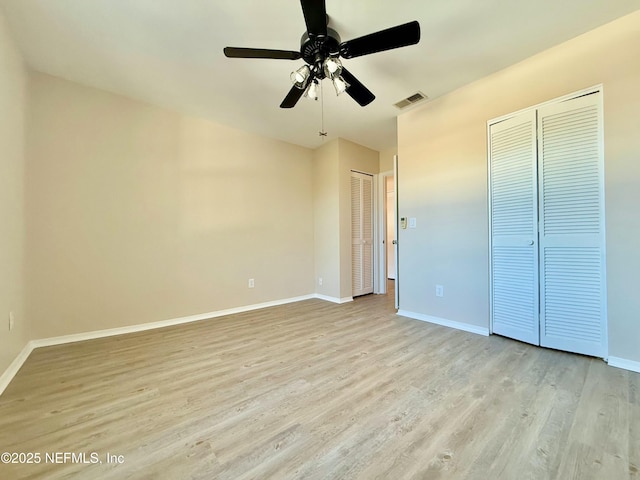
(315,390)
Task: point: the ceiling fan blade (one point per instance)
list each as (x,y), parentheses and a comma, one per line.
(357,90)
(292,97)
(315,17)
(234,52)
(394,37)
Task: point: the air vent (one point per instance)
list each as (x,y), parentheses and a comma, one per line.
(410,100)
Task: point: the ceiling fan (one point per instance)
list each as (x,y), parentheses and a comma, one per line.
(321,49)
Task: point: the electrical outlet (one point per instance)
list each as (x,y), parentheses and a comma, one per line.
(439,291)
(12,320)
(251,283)
(319,280)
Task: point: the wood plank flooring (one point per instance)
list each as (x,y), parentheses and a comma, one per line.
(314,390)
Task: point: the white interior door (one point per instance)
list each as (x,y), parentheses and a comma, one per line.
(572,235)
(361,233)
(514,225)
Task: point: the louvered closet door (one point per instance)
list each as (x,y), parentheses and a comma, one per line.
(361,233)
(514,218)
(572,256)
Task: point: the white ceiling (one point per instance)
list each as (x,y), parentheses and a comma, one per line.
(169,53)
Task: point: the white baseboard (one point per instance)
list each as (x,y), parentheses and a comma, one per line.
(618,362)
(11,371)
(79,337)
(333,299)
(445,323)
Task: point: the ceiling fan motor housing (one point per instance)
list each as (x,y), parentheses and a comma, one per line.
(315,50)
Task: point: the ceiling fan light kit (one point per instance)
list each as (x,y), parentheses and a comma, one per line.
(321,47)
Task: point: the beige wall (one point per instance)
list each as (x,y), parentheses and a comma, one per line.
(137,214)
(386,159)
(13,98)
(326,213)
(443,178)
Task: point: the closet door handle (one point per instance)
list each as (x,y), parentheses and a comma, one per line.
(531,242)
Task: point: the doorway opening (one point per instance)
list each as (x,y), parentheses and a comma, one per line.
(387,236)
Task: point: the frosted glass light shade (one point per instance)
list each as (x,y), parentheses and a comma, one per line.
(301,76)
(339,84)
(332,67)
(312,91)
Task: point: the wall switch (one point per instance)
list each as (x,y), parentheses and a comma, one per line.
(251,283)
(12,320)
(319,280)
(439,291)
(412,222)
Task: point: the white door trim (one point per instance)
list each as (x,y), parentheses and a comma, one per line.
(381,233)
(395,191)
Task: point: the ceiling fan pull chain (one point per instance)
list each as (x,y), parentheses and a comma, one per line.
(322,133)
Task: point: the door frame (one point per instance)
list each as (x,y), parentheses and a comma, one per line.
(380,251)
(381,233)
